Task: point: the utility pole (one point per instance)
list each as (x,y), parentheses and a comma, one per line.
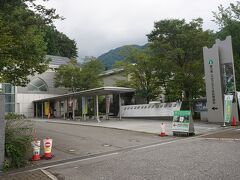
(2,127)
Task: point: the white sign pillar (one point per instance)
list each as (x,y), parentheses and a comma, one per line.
(107,99)
(97,113)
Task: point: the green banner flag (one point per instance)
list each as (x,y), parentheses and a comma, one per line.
(227,107)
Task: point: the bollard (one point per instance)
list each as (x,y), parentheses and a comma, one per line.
(47,143)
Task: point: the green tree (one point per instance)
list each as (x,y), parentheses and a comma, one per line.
(22,46)
(228,20)
(91,68)
(79,77)
(68,76)
(59,44)
(144,74)
(178,45)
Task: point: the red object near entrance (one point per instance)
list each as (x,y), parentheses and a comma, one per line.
(234,121)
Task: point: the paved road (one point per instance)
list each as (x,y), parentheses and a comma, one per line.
(70,141)
(83,152)
(139,125)
(192,158)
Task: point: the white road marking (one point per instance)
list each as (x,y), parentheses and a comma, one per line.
(51,176)
(71,162)
(224,139)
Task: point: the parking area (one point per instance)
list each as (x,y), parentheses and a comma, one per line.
(139,125)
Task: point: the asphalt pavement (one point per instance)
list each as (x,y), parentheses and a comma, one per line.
(190,158)
(84,151)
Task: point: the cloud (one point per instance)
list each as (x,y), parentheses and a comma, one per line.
(101,25)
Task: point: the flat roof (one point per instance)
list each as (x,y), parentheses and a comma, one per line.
(92,92)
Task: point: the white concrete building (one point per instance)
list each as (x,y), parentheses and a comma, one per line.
(19,99)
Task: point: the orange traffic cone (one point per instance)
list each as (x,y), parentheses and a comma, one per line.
(234,121)
(163,130)
(36,150)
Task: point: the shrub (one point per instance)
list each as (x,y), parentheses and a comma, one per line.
(18,137)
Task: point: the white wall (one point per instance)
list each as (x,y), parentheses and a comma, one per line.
(25,103)
(150,110)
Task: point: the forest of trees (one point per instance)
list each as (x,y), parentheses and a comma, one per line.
(27,35)
(172,64)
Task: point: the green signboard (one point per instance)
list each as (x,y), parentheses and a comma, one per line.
(182,122)
(227,107)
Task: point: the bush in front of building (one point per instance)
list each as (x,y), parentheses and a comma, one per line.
(18,137)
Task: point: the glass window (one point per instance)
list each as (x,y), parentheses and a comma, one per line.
(9,98)
(9,107)
(8,89)
(37,84)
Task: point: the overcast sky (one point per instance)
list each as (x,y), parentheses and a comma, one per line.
(100,25)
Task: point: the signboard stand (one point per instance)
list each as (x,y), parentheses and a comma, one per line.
(183,123)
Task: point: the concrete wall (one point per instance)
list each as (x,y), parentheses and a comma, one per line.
(150,110)
(24,103)
(24,98)
(2,130)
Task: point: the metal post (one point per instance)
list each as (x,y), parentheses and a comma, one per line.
(64,107)
(36,113)
(2,129)
(60,103)
(120,104)
(42,110)
(97,116)
(107,104)
(73,109)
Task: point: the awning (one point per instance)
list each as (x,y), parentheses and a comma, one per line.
(91,92)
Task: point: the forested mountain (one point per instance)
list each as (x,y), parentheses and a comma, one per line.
(108,59)
(59,44)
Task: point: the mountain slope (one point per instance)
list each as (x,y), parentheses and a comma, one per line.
(108,59)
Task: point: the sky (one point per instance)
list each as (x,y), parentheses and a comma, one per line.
(98,26)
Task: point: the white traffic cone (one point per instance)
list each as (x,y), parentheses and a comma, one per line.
(163,130)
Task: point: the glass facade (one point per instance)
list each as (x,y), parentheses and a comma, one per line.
(37,84)
(9,91)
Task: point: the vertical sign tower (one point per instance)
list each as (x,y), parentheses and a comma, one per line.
(213,84)
(219,78)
